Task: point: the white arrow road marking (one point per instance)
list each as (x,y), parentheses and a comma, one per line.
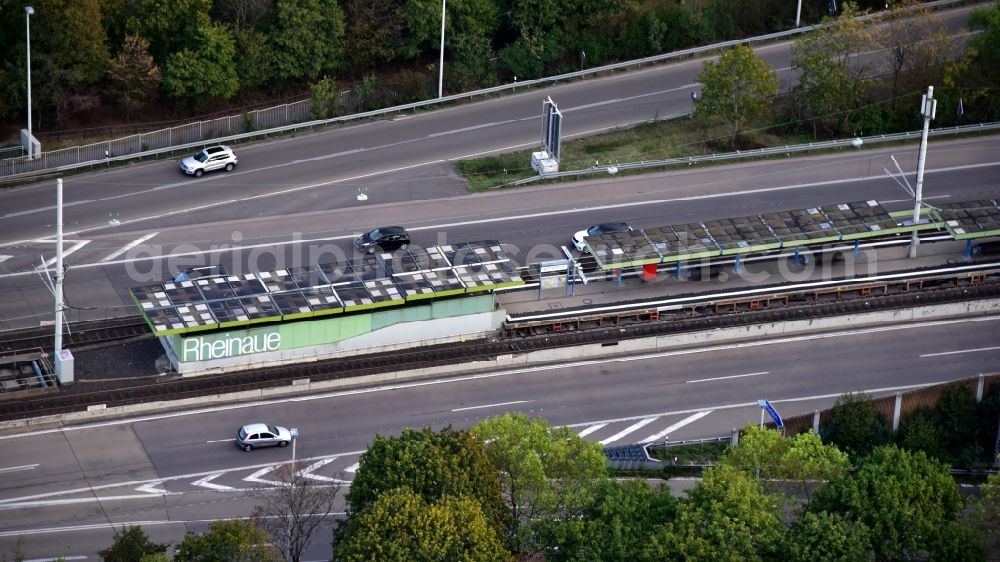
(129,246)
(353,468)
(627,430)
(150,488)
(255,477)
(4,258)
(591,429)
(307,472)
(690,419)
(206,482)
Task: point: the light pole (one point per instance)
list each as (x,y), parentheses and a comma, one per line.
(928,108)
(444,3)
(28,12)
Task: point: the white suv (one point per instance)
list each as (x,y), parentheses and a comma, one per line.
(212,158)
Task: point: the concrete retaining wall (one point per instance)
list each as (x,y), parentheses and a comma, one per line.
(593,351)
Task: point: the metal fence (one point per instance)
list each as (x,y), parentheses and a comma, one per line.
(294,116)
(755,153)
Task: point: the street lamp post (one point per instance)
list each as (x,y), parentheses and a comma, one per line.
(444,3)
(928,109)
(28,12)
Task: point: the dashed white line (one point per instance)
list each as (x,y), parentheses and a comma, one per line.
(634,427)
(129,246)
(688,420)
(956,352)
(492,405)
(729,377)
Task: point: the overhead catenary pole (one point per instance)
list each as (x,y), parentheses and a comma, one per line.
(928,107)
(444,3)
(28,12)
(798,13)
(59,267)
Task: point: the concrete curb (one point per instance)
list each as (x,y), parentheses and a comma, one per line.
(651,344)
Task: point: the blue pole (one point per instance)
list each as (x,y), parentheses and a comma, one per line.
(968,249)
(795,258)
(677,271)
(857,247)
(618,277)
(737,263)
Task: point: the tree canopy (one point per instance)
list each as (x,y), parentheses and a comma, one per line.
(235,540)
(737,89)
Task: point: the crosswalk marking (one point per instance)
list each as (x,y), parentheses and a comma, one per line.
(634,427)
(591,429)
(690,419)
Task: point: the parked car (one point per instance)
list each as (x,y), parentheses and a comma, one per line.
(212,158)
(597,230)
(388,238)
(254,435)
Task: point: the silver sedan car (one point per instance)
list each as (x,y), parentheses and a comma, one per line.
(255,435)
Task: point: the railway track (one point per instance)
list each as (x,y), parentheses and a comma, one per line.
(607,330)
(78,334)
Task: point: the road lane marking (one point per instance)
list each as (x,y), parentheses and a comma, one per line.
(958,352)
(492,405)
(129,246)
(729,377)
(220,441)
(688,420)
(353,468)
(22,467)
(591,429)
(4,258)
(150,488)
(308,472)
(634,427)
(75,247)
(114,526)
(60,558)
(206,482)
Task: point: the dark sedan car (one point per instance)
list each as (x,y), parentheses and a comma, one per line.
(388,238)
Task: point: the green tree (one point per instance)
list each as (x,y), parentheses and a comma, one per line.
(922,432)
(831,68)
(957,407)
(727,517)
(235,540)
(307,38)
(131,544)
(205,71)
(907,500)
(772,458)
(916,45)
(325,100)
(400,526)
(985,514)
(373,29)
(829,537)
(546,472)
(169,25)
(134,74)
(615,527)
(255,60)
(855,426)
(737,89)
(69,32)
(432,465)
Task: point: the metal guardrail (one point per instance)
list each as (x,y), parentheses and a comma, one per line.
(756,153)
(241,127)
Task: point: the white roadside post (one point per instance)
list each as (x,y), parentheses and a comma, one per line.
(444,3)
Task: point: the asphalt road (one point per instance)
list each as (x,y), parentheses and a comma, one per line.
(60,488)
(533,222)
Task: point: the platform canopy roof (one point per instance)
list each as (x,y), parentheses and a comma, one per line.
(388,279)
(970,219)
(754,233)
